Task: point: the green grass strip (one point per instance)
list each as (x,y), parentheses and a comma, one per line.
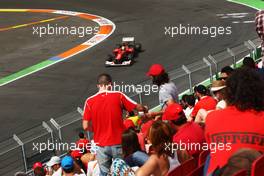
(25,72)
(257,4)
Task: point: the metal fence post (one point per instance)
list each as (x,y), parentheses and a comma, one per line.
(57,126)
(233,55)
(80,110)
(250,48)
(215,63)
(254,49)
(46,126)
(23,150)
(139,94)
(190,77)
(210,69)
(140,98)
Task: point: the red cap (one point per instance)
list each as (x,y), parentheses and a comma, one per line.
(37,164)
(145,127)
(172,112)
(128,124)
(76,154)
(155,70)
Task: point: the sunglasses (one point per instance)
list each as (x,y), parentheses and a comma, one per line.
(222,78)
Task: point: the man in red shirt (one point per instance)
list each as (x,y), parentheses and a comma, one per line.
(104,111)
(205,102)
(241,124)
(188,134)
(82,143)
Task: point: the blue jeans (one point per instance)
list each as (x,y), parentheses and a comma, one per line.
(206,165)
(105,155)
(90,135)
(138,158)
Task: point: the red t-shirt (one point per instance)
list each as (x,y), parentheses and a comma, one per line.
(104,110)
(83,143)
(207,103)
(236,130)
(190,133)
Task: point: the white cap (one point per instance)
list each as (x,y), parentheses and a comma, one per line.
(53,160)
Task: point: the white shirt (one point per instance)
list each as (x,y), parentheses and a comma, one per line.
(93,168)
(58,172)
(187,113)
(168,91)
(221,104)
(174,162)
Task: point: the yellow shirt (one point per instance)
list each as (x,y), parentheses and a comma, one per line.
(134,120)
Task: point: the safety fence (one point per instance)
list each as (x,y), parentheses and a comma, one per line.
(39,143)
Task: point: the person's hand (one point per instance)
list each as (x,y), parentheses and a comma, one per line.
(146,109)
(157,118)
(149,115)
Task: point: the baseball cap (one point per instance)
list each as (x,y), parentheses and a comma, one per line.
(37,164)
(200,89)
(155,70)
(67,162)
(76,153)
(53,160)
(172,112)
(217,85)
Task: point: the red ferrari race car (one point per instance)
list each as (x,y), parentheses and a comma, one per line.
(125,53)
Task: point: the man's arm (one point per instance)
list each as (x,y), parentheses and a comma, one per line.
(86,116)
(85,124)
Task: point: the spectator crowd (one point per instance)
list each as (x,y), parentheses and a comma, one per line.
(227,115)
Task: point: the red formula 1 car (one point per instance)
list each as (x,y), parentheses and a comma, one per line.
(125,53)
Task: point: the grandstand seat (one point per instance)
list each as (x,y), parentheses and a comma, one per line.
(242,172)
(185,168)
(258,167)
(198,171)
(202,157)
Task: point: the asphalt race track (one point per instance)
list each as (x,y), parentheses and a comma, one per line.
(59,89)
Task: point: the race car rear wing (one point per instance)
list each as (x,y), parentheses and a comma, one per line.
(128,39)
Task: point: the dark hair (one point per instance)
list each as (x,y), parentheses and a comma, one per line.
(104,79)
(184,97)
(160,135)
(39,171)
(181,120)
(249,62)
(131,113)
(244,89)
(200,89)
(68,170)
(227,69)
(242,159)
(81,135)
(130,142)
(161,79)
(190,100)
